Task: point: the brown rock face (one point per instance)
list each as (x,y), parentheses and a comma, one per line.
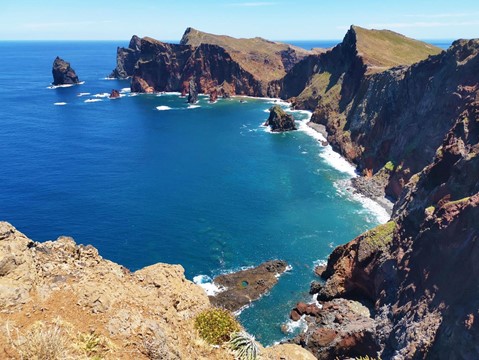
(213,96)
(341,329)
(238,66)
(243,287)
(420,272)
(63,74)
(126,59)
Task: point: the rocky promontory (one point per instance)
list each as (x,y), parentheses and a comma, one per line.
(279,120)
(218,63)
(63,74)
(242,287)
(67,295)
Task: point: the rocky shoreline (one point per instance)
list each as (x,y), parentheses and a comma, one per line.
(370,188)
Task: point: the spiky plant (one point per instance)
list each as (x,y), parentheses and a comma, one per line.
(244,346)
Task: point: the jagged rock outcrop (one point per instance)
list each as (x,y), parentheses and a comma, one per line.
(243,287)
(279,121)
(104,309)
(419,271)
(238,66)
(63,74)
(126,59)
(192,92)
(339,329)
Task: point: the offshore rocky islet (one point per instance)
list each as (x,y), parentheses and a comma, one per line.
(433,176)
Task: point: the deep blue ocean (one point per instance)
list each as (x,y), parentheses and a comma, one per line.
(148,179)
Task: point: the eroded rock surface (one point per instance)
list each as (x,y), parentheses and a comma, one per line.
(243,287)
(279,120)
(63,74)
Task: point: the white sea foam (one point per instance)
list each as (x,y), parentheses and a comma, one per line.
(168,93)
(193,106)
(60,103)
(208,285)
(92,100)
(83,94)
(316,302)
(108,78)
(102,95)
(60,86)
(125,90)
(344,188)
(296,326)
(335,160)
(163,108)
(289,268)
(320,262)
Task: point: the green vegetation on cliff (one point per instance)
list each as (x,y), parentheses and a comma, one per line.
(382,49)
(381,235)
(262,58)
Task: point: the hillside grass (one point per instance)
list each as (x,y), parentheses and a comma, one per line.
(383,49)
(258,56)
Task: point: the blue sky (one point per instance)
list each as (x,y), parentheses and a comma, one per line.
(275,19)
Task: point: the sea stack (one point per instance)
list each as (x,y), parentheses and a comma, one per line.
(193,92)
(63,74)
(279,121)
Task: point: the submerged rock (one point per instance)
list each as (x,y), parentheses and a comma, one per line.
(279,121)
(115,94)
(243,287)
(63,74)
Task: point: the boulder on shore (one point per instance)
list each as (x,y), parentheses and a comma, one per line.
(279,121)
(62,73)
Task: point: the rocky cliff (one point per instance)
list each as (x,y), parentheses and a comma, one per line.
(67,297)
(215,62)
(416,273)
(359,91)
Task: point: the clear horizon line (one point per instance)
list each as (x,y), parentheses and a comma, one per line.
(178,40)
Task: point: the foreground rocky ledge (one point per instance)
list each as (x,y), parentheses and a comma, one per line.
(243,287)
(147,314)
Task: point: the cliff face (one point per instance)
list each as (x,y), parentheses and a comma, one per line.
(419,271)
(388,107)
(216,63)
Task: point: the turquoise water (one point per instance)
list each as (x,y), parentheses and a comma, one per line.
(206,187)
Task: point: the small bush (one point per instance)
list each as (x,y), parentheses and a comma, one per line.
(215,326)
(94,346)
(44,341)
(389,166)
(244,346)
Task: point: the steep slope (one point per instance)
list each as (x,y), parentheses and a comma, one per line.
(216,63)
(419,271)
(370,112)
